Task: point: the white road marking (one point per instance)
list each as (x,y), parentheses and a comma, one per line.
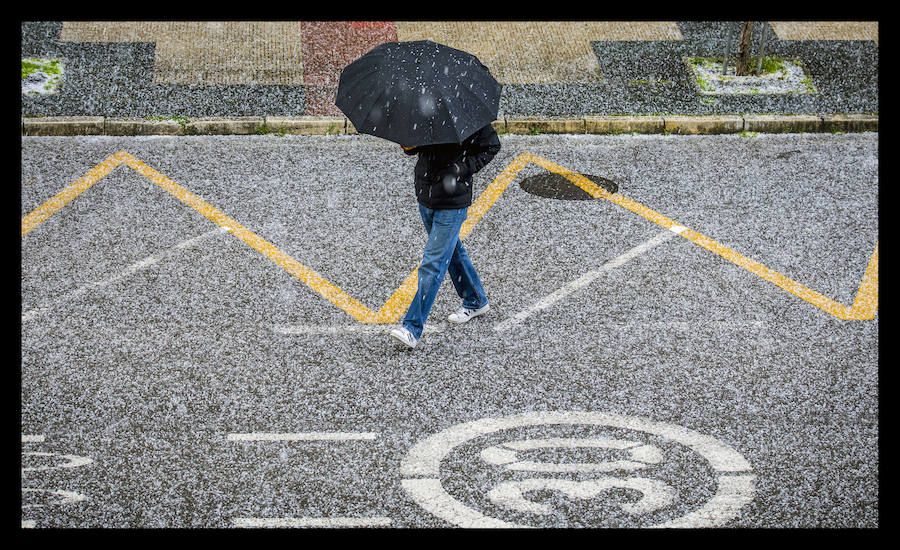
(505,455)
(421,467)
(683,325)
(360,328)
(128,271)
(586,279)
(732,494)
(32,438)
(307,521)
(510,494)
(303,436)
(311,522)
(72,461)
(66,497)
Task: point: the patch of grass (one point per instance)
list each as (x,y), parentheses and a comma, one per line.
(704,61)
(48,72)
(807,81)
(769,64)
(49,66)
(770,75)
(265,130)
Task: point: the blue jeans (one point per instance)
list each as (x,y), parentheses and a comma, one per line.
(443,252)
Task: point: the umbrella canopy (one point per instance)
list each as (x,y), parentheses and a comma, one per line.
(418,93)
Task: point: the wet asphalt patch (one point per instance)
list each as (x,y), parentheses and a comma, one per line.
(556,186)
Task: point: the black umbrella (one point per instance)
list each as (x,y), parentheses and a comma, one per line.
(418,93)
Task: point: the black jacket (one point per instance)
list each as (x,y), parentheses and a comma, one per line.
(443,174)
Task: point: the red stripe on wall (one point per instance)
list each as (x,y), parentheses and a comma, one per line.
(328,47)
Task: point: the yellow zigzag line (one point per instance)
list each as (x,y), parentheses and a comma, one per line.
(864,306)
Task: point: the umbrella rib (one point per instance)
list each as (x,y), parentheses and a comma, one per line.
(414,114)
(384,117)
(446,108)
(463,112)
(479,100)
(411,111)
(356,82)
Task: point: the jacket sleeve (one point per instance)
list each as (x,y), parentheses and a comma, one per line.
(480,149)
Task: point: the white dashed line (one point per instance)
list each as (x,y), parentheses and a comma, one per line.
(303,436)
(311,522)
(130,270)
(342,522)
(586,279)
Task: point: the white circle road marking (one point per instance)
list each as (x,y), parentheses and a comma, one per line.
(505,454)
(510,494)
(421,466)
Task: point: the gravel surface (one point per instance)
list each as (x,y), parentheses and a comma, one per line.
(149,373)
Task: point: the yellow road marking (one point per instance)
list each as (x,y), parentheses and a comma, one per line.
(864,307)
(64,197)
(318,283)
(398,303)
(315,281)
(866,303)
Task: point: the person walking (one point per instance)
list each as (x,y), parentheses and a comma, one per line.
(443,185)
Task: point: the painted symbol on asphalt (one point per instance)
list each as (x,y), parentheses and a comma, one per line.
(518,475)
(48,461)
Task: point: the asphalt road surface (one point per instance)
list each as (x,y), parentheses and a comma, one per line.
(204,336)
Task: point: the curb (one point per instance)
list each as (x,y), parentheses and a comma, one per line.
(335,125)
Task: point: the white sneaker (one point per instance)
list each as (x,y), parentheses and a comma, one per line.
(462,314)
(404,336)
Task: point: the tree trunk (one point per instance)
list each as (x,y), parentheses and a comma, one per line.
(743,57)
